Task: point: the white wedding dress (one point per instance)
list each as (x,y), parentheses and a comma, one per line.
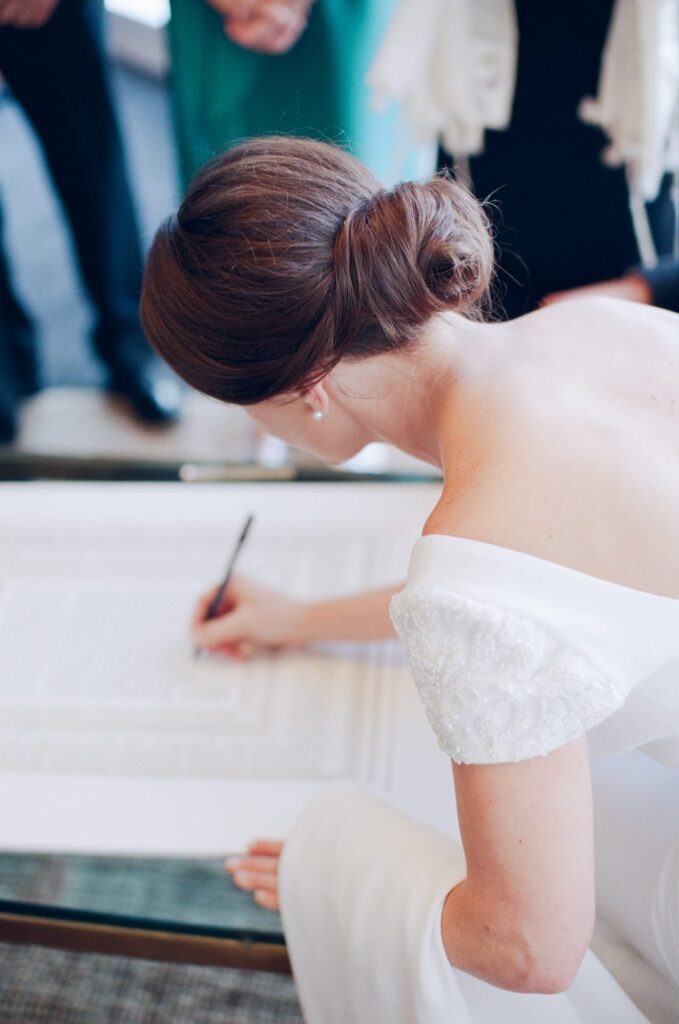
(513,656)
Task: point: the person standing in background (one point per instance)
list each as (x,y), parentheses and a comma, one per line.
(253,67)
(565,116)
(51,57)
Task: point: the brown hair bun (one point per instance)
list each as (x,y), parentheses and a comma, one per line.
(406,254)
(286,255)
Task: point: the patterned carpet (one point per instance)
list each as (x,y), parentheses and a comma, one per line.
(45,986)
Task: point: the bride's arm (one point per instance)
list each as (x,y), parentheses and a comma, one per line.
(255,616)
(523,918)
(363,616)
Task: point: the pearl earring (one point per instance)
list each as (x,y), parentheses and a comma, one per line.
(318,415)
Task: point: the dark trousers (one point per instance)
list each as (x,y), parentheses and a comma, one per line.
(58,76)
(18,372)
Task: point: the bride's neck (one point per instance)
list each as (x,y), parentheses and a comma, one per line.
(405,398)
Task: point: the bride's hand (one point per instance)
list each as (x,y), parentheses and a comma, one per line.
(251,615)
(257,871)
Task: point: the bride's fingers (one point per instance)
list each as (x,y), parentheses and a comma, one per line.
(265,864)
(265,881)
(267,899)
(257,871)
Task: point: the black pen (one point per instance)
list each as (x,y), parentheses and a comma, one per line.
(216,601)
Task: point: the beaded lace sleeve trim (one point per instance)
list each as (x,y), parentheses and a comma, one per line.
(497,687)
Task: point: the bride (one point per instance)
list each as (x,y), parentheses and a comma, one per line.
(540,613)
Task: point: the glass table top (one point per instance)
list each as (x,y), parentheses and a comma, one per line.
(185,896)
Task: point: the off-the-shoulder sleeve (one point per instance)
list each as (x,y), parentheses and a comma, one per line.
(496,686)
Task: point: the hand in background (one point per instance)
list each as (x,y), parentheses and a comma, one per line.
(257,871)
(633,287)
(266,26)
(26,13)
(251,616)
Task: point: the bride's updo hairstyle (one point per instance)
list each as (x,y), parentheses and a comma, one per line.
(287,255)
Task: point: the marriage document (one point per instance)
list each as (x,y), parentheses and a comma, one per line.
(114,737)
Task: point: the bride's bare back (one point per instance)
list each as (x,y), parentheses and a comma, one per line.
(566,445)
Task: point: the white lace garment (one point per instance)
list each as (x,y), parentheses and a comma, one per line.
(513,656)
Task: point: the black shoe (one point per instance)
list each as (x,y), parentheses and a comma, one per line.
(154,395)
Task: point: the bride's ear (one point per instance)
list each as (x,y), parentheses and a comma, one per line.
(317,400)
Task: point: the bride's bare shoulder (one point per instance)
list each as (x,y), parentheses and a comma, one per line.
(600,310)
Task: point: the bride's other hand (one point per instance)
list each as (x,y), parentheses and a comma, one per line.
(250,616)
(632,287)
(257,871)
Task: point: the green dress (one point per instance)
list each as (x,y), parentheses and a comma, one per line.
(223,93)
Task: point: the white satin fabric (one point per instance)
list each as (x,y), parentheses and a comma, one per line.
(362,889)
